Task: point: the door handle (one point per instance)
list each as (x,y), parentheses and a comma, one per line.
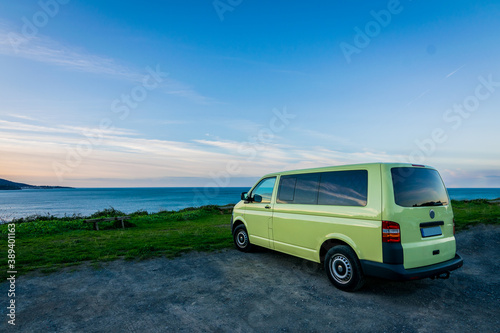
(268,207)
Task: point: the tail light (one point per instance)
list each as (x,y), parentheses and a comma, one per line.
(453,227)
(391,232)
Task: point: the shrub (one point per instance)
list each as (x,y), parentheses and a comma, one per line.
(108,212)
(139,213)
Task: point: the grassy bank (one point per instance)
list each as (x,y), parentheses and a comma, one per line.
(472,212)
(49,243)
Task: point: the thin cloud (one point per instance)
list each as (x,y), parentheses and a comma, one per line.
(243,125)
(324,136)
(112,139)
(20,116)
(18,126)
(45,50)
(182,90)
(245,149)
(109,131)
(117,156)
(418,97)
(428,90)
(456,70)
(62,129)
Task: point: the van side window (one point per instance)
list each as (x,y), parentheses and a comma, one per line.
(338,188)
(287,189)
(344,188)
(265,189)
(306,189)
(299,189)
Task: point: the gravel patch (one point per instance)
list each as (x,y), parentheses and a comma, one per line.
(264,291)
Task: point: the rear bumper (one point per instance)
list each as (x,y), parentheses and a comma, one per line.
(398,272)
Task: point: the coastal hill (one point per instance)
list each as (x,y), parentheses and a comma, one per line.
(8,185)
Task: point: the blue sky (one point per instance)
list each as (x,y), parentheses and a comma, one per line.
(204,93)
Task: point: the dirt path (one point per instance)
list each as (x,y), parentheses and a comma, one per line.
(264,291)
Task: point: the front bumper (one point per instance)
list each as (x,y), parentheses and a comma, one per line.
(398,272)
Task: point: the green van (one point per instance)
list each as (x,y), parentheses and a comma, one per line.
(389,220)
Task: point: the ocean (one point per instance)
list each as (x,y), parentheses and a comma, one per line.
(85,201)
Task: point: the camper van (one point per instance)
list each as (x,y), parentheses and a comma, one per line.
(388,220)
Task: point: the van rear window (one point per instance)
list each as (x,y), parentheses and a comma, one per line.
(338,188)
(418,187)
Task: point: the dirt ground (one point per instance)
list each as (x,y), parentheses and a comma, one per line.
(263,291)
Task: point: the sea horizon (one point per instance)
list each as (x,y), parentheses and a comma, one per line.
(85,201)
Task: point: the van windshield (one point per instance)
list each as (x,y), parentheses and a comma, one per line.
(418,187)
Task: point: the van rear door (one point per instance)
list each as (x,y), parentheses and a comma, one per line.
(415,197)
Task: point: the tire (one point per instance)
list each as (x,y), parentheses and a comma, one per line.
(241,239)
(343,268)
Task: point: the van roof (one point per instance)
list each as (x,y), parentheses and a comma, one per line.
(348,167)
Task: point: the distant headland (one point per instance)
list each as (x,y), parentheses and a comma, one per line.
(8,185)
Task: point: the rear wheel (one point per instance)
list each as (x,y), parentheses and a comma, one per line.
(241,240)
(343,268)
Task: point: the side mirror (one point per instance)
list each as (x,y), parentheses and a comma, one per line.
(257,198)
(244,196)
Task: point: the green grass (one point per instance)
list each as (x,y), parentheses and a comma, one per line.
(54,243)
(47,243)
(472,212)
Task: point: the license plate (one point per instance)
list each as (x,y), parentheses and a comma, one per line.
(432,231)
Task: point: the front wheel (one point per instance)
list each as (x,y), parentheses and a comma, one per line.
(343,268)
(241,240)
